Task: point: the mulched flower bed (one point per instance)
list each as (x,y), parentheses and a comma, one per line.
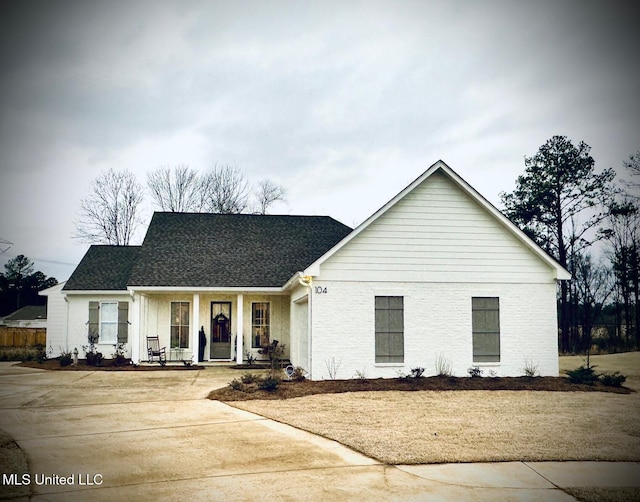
(291,389)
(105,365)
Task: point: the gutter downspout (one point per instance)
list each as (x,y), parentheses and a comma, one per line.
(306,280)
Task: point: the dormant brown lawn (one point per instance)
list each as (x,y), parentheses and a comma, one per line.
(475,426)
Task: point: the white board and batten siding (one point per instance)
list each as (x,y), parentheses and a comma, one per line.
(437,246)
(436,233)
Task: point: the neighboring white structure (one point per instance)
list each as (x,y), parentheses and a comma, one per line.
(56,324)
(437,274)
(31,316)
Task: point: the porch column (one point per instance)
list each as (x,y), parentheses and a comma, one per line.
(135,328)
(195,328)
(239,331)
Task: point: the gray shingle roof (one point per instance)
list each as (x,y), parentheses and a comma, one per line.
(28,313)
(103,268)
(231,250)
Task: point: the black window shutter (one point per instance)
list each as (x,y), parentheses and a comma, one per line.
(94,322)
(123,322)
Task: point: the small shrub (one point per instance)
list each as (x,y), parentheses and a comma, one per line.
(249,378)
(361,374)
(118,356)
(65,358)
(41,354)
(236,384)
(583,375)
(416,372)
(269,384)
(333,367)
(614,379)
(475,372)
(250,357)
(530,368)
(298,374)
(275,352)
(443,366)
(93,358)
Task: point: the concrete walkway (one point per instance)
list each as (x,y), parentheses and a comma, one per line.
(152,436)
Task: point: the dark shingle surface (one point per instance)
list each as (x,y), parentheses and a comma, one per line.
(103,268)
(231,250)
(28,313)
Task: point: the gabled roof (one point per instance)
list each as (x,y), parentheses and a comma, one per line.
(230,250)
(103,268)
(28,313)
(560,272)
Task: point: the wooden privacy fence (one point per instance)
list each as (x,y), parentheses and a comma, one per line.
(21,337)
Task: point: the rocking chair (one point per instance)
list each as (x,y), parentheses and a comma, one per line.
(155,351)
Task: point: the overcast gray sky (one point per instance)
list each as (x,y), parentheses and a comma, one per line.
(344,103)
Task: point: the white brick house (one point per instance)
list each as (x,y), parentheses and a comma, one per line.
(437,272)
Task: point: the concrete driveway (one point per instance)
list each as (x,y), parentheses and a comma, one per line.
(152,436)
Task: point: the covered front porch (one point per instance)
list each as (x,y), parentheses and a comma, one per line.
(208,325)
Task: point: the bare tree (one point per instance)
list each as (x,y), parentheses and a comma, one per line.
(176,190)
(267,193)
(226,190)
(633,166)
(109,215)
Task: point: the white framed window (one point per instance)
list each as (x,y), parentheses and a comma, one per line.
(260,324)
(179,325)
(485,320)
(389,326)
(108,322)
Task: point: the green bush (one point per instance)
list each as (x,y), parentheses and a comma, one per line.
(583,375)
(65,358)
(41,354)
(236,384)
(249,378)
(475,372)
(416,372)
(270,384)
(118,357)
(93,357)
(614,379)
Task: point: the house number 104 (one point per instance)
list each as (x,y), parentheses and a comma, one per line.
(321,290)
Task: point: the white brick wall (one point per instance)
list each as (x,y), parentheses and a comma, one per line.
(437,320)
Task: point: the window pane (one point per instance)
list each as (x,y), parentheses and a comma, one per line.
(396,344)
(109,312)
(175,337)
(396,320)
(396,302)
(485,317)
(180,325)
(389,329)
(382,302)
(382,348)
(184,314)
(490,303)
(382,320)
(260,320)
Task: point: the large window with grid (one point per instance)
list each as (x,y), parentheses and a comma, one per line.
(485,319)
(260,324)
(389,326)
(179,325)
